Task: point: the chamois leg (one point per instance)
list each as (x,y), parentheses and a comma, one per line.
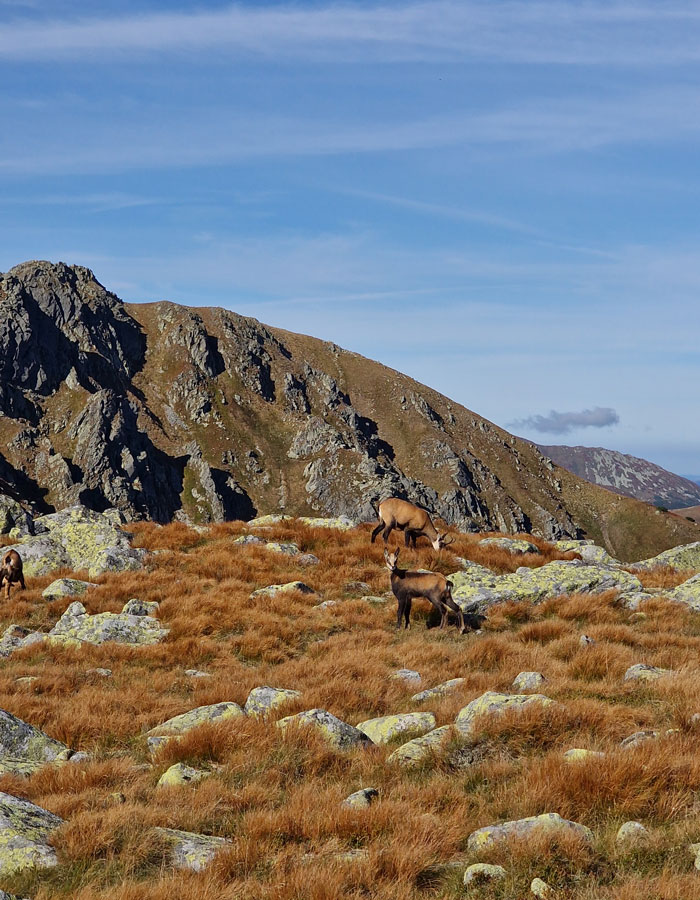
(21,581)
(400,611)
(407,537)
(387,531)
(376,531)
(407,613)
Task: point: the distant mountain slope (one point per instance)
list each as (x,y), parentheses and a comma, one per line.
(625,474)
(201,414)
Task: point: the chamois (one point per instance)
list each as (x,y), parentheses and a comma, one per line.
(406,585)
(412,520)
(11,571)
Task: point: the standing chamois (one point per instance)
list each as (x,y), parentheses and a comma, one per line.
(406,585)
(412,520)
(11,571)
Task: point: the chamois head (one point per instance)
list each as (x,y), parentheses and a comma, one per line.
(442,540)
(391,559)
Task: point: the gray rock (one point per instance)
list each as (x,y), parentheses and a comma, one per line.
(66,587)
(338,733)
(631,834)
(687,593)
(24,833)
(273,589)
(262,700)
(547,823)
(20,740)
(493,703)
(197,673)
(191,851)
(410,676)
(361,799)
(643,672)
(528,681)
(512,545)
(686,556)
(438,691)
(540,889)
(478,873)
(15,637)
(75,625)
(136,607)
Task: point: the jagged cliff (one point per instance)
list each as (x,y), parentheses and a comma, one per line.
(169,412)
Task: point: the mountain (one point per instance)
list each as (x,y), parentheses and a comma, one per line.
(203,415)
(628,475)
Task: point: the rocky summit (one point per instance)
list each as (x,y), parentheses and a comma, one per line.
(165,412)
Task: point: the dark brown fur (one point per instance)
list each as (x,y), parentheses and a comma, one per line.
(412,520)
(11,572)
(434,587)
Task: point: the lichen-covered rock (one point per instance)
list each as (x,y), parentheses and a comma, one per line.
(197,673)
(66,587)
(273,589)
(695,852)
(287,549)
(357,587)
(540,889)
(334,730)
(579,754)
(385,728)
(421,747)
(15,637)
(136,607)
(438,691)
(179,775)
(24,832)
(547,823)
(121,628)
(528,681)
(361,799)
(41,555)
(191,851)
(493,703)
(261,700)
(325,604)
(687,556)
(248,539)
(512,545)
(588,551)
(478,873)
(630,834)
(307,559)
(477,591)
(341,523)
(410,676)
(643,672)
(14,519)
(687,593)
(213,714)
(265,521)
(23,741)
(640,737)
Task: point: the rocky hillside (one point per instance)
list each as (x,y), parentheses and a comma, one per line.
(202,415)
(625,474)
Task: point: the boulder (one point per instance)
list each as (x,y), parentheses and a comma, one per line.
(338,733)
(41,555)
(687,556)
(122,628)
(248,539)
(136,607)
(272,589)
(386,728)
(589,552)
(687,593)
(478,873)
(540,889)
(643,672)
(287,549)
(631,834)
(265,521)
(341,523)
(512,545)
(193,718)
(640,737)
(66,587)
(476,591)
(357,587)
(191,851)
(361,799)
(421,747)
(261,700)
(16,636)
(180,774)
(547,823)
(410,676)
(14,519)
(24,742)
(528,681)
(493,703)
(579,754)
(438,691)
(24,832)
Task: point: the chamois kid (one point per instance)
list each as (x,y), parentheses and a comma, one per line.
(434,587)
(412,520)
(11,572)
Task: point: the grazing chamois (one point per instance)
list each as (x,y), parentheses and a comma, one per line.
(412,520)
(407,585)
(11,571)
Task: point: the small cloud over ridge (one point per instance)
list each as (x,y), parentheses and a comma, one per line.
(564,422)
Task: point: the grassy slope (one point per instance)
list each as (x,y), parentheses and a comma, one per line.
(278,798)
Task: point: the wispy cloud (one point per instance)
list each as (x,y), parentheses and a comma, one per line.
(565,422)
(503,30)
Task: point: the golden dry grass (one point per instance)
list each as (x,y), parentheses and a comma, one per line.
(278,798)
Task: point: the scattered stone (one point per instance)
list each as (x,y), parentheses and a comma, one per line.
(26,680)
(122,628)
(687,593)
(261,700)
(643,672)
(197,673)
(579,754)
(478,873)
(377,600)
(695,851)
(264,521)
(383,729)
(639,737)
(494,703)
(338,733)
(589,552)
(22,741)
(512,545)
(686,556)
(272,589)
(66,587)
(587,641)
(307,559)
(630,834)
(180,774)
(325,604)
(419,748)
(547,823)
(361,799)
(287,549)
(193,718)
(528,681)
(248,539)
(136,607)
(438,691)
(15,637)
(191,851)
(103,673)
(357,587)
(342,523)
(540,889)
(24,832)
(410,676)
(634,601)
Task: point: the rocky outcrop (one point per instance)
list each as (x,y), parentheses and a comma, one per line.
(75,625)
(24,833)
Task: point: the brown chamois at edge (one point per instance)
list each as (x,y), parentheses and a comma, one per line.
(11,572)
(412,520)
(434,587)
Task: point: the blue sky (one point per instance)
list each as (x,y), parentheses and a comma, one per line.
(499,198)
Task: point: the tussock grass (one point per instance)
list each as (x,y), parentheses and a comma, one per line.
(277,797)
